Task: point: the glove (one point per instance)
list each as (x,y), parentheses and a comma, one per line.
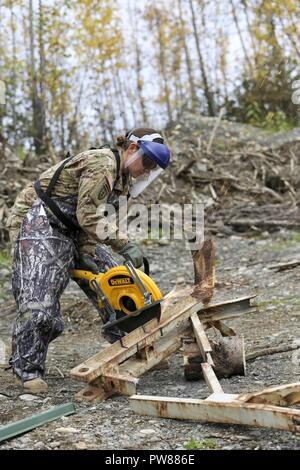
(132,251)
(87,262)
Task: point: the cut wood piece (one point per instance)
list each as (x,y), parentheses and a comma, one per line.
(192,359)
(109,384)
(229,356)
(204,270)
(227,353)
(137,365)
(201,338)
(93,393)
(125,385)
(223,409)
(211,379)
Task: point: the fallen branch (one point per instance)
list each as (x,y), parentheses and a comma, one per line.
(213,134)
(270,351)
(284,266)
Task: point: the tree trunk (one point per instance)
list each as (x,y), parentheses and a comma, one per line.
(246,8)
(37,122)
(162,64)
(119,92)
(290,37)
(133,12)
(42,75)
(187,59)
(139,82)
(236,22)
(207,93)
(14,78)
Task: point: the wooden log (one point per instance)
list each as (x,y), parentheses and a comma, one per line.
(229,356)
(204,271)
(192,359)
(227,353)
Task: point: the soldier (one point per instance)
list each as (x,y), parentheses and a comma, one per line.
(53,226)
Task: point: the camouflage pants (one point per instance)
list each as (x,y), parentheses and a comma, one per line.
(43,259)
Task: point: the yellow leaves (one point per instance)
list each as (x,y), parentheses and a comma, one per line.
(97,32)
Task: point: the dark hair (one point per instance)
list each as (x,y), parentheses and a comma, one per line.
(124,142)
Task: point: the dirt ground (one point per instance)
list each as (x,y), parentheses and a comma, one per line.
(242,268)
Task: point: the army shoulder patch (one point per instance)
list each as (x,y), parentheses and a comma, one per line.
(101,191)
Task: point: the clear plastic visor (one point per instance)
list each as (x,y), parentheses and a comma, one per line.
(151,172)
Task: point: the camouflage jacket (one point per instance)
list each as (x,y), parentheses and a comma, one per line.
(88,178)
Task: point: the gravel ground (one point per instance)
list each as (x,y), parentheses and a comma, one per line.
(242,268)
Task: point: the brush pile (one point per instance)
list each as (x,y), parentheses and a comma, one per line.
(247,178)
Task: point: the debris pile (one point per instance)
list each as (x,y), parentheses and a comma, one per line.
(246,177)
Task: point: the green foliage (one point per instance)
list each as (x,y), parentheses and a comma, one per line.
(264,96)
(206,444)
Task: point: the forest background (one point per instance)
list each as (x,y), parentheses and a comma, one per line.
(78,72)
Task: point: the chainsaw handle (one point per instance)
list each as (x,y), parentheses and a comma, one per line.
(146,266)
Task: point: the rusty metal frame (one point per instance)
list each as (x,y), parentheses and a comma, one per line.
(259,409)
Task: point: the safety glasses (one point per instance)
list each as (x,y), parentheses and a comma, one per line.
(148,164)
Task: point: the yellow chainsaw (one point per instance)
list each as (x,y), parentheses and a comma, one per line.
(127,297)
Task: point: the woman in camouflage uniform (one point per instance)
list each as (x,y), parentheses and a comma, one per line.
(46,250)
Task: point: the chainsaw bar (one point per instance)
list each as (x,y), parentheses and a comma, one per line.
(136,319)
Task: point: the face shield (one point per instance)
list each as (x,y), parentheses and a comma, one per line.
(150,171)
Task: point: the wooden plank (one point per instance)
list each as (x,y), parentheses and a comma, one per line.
(282,395)
(226,411)
(201,337)
(144,336)
(94,393)
(138,339)
(166,346)
(123,384)
(211,378)
(132,367)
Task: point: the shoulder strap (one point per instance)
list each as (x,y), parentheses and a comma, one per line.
(45,196)
(64,218)
(56,175)
(118,161)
